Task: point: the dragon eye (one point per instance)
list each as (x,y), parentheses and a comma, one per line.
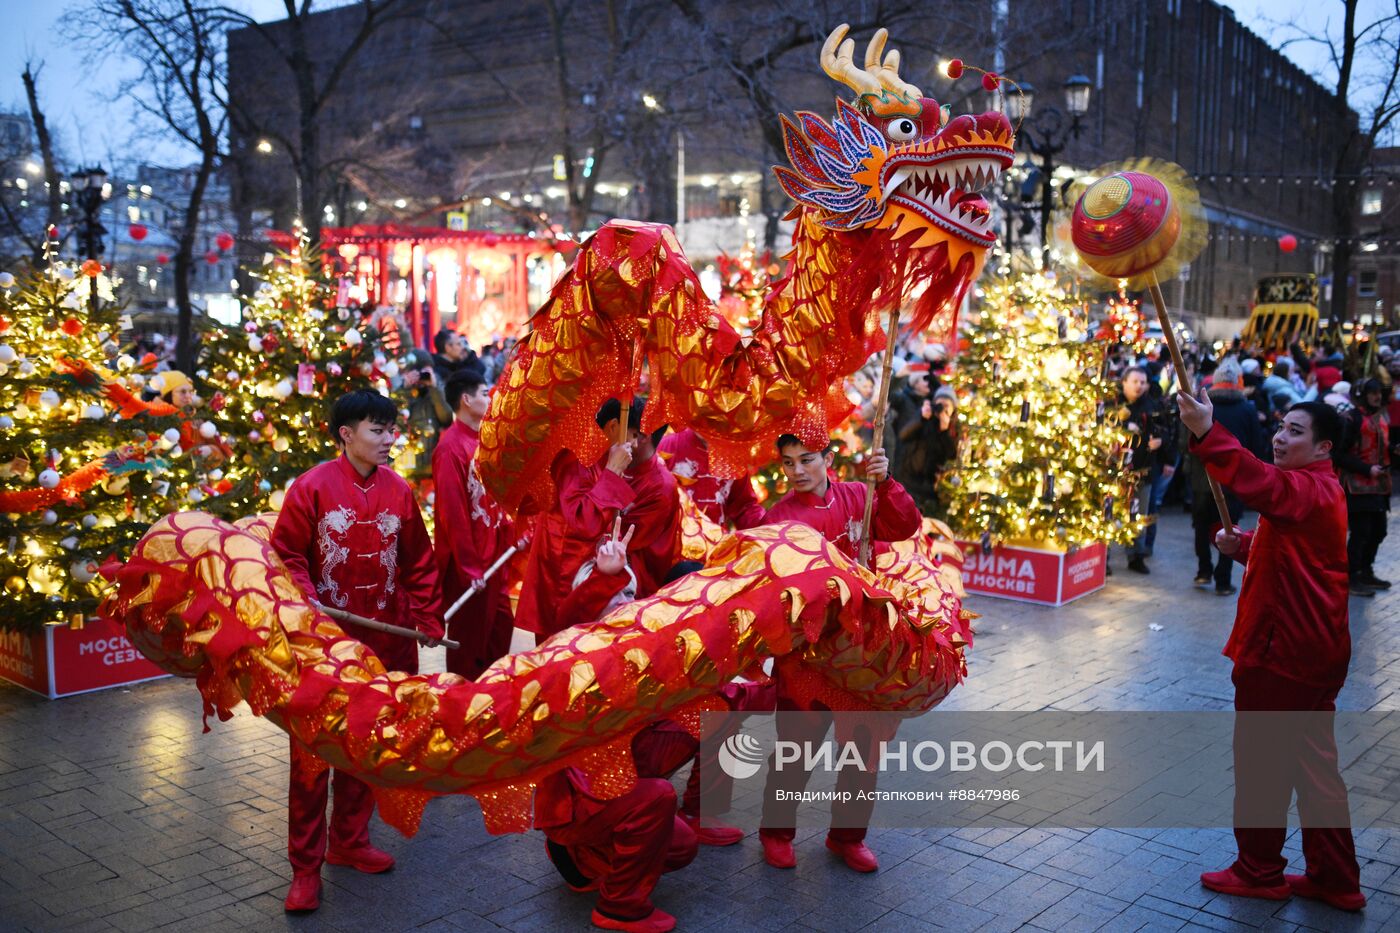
(902,130)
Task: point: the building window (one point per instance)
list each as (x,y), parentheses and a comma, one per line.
(1371,200)
(1366,280)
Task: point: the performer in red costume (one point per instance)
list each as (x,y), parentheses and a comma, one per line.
(351,536)
(628,479)
(470,533)
(837,511)
(618,847)
(724,501)
(1291,646)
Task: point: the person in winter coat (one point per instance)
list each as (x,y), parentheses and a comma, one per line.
(1152,448)
(1237,415)
(1364,461)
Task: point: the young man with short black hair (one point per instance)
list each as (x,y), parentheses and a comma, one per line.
(470,533)
(352,537)
(1291,646)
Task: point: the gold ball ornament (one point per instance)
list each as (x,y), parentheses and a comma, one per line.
(14,585)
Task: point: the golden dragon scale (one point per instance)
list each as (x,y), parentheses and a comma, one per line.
(211,600)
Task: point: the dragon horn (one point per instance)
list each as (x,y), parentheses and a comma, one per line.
(838,61)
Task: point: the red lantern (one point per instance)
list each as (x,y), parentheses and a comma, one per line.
(1287,243)
(212,258)
(162,258)
(137,231)
(72,326)
(224,241)
(91,268)
(53,233)
(490,240)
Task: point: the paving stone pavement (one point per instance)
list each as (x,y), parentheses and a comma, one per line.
(117,813)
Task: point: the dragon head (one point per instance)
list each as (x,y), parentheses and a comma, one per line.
(895,160)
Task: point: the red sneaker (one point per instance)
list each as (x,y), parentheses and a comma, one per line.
(713,832)
(778,852)
(1227,882)
(1303,886)
(658,921)
(857,855)
(304,894)
(365,858)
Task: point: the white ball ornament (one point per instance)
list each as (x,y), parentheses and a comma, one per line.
(171,436)
(276,499)
(6,280)
(216,475)
(50,517)
(6,422)
(283,389)
(26,368)
(255,343)
(7,354)
(48,479)
(83,571)
(208,430)
(353,338)
(68,543)
(195,495)
(177,451)
(89,521)
(94,412)
(125,361)
(49,399)
(392,370)
(280,445)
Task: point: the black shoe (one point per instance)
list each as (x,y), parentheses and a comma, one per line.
(1202,579)
(1360,589)
(1226,590)
(1138,565)
(1374,582)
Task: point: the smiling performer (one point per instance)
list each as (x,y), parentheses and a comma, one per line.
(352,537)
(1291,646)
(836,510)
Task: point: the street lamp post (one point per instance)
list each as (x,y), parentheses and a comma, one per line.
(1046,135)
(90,189)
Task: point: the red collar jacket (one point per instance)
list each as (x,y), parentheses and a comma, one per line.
(722,500)
(839,515)
(1292,615)
(359,544)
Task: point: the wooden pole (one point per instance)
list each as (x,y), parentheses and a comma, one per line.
(1184,379)
(480,583)
(340,615)
(631,389)
(878,440)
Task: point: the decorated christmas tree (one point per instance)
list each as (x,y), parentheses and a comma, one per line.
(1123,323)
(271,381)
(1042,454)
(85,464)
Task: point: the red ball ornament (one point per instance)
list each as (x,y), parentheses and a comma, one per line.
(137,231)
(53,233)
(224,241)
(991,81)
(91,268)
(1287,243)
(955,68)
(162,258)
(212,258)
(72,326)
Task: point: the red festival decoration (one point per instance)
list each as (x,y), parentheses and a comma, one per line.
(162,258)
(224,241)
(212,258)
(1287,243)
(137,232)
(91,268)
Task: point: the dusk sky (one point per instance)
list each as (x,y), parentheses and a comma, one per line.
(90,127)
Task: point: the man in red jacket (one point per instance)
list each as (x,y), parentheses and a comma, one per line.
(724,501)
(629,479)
(351,536)
(1291,646)
(470,533)
(837,511)
(618,847)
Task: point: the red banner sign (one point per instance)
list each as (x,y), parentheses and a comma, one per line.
(1036,575)
(60,661)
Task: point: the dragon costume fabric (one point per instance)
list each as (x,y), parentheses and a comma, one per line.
(886,214)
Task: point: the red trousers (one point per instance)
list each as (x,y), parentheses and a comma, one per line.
(1269,770)
(306,816)
(354,802)
(849,819)
(484,627)
(624,844)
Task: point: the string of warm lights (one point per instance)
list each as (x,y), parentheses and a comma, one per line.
(1041,458)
